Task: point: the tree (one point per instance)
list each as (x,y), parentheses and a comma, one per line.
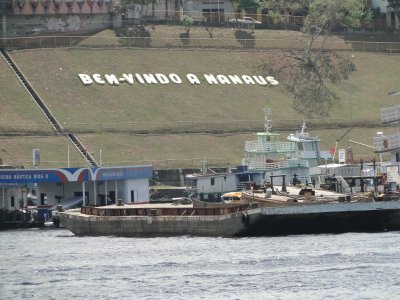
(308,75)
(142,6)
(187,21)
(395,4)
(249,6)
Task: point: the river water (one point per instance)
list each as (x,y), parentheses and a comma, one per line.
(54,264)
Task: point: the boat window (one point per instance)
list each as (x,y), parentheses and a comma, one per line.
(300,146)
(12,201)
(191,182)
(314,145)
(212,181)
(132,195)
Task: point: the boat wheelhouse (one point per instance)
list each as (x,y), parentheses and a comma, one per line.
(296,157)
(390,144)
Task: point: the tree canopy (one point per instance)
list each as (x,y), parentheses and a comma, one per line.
(395,4)
(142,5)
(308,75)
(249,5)
(187,21)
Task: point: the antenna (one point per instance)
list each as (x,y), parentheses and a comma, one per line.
(303,127)
(267,119)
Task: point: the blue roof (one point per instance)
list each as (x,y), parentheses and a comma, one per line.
(25,176)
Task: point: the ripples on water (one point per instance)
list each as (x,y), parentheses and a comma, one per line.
(54,264)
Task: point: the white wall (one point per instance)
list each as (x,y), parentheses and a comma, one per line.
(123,187)
(222,184)
(189,7)
(140,188)
(12,192)
(382,4)
(52,190)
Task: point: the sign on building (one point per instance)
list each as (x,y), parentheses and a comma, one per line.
(36,157)
(342,156)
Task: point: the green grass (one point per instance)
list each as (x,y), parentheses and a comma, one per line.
(105,116)
(17,150)
(17,109)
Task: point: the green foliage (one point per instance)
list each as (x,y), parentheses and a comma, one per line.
(143,5)
(324,15)
(249,5)
(187,21)
(308,76)
(395,4)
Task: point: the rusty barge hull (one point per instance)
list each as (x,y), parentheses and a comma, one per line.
(231,222)
(133,222)
(325,218)
(147,226)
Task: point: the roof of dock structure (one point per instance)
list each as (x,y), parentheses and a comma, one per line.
(25,176)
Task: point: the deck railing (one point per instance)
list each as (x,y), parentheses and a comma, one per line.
(390,114)
(272,147)
(278,165)
(127,210)
(387,143)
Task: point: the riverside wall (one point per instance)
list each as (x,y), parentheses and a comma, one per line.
(35,25)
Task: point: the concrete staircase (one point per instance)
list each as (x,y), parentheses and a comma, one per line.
(46,111)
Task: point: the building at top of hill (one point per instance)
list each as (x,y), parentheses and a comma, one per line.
(74,17)
(43,17)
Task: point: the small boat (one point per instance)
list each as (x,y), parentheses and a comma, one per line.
(231,197)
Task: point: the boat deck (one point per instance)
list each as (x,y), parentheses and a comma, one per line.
(162,210)
(293,197)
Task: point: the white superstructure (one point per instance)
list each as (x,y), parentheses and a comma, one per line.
(296,157)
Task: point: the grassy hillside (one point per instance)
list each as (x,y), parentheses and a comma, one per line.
(107,117)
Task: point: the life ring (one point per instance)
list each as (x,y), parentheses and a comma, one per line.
(383,178)
(245,219)
(385,143)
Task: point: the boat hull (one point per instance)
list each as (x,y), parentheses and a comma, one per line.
(146,226)
(263,221)
(325,218)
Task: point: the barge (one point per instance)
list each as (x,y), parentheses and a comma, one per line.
(233,220)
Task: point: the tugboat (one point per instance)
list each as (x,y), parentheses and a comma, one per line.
(293,158)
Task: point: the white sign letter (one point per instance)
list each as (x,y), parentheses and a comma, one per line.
(223,79)
(235,79)
(175,78)
(111,79)
(128,78)
(149,78)
(162,78)
(210,79)
(247,79)
(85,79)
(97,79)
(272,80)
(260,80)
(192,79)
(139,78)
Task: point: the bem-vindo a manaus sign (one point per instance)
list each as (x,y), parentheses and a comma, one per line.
(173,78)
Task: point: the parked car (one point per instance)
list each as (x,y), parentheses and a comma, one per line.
(247,21)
